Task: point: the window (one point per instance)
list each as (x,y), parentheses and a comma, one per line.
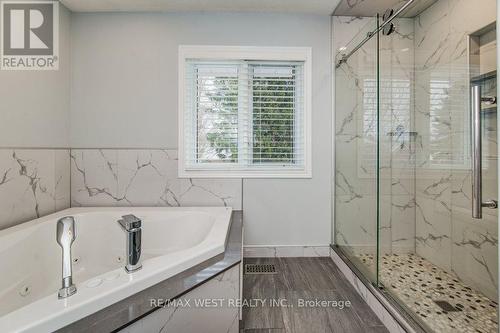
(244,112)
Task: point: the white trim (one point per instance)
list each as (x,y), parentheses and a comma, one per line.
(214,52)
(277,251)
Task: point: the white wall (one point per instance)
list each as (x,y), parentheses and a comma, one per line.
(124,95)
(34,105)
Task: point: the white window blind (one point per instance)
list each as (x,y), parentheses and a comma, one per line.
(244,115)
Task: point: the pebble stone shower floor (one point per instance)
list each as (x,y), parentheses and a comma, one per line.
(418,284)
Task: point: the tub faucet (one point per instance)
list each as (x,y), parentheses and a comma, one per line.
(65,236)
(132,226)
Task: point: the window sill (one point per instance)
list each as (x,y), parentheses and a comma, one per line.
(279,174)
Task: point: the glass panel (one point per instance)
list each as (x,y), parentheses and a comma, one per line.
(435,259)
(356,147)
(397,144)
(403,152)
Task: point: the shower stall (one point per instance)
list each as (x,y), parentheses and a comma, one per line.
(416,159)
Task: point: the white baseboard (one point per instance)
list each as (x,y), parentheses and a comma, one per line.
(285,251)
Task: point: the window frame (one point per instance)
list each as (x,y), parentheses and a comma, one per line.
(246,53)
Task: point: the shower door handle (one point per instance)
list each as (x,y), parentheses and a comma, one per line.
(477,181)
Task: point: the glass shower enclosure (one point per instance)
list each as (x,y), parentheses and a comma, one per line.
(416,159)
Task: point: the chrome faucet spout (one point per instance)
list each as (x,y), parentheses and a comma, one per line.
(133,228)
(65,236)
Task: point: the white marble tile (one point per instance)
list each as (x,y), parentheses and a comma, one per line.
(477,16)
(144,177)
(259,252)
(317,251)
(446,234)
(475,250)
(434,158)
(94,177)
(285,251)
(63,179)
(33,183)
(356,221)
(397,224)
(403,224)
(433,232)
(188,318)
(347,28)
(209,192)
(365,8)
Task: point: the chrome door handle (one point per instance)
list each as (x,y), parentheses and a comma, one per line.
(477,182)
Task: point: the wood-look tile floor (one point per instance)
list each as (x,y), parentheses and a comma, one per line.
(299,280)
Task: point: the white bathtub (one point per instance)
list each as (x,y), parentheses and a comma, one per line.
(173,240)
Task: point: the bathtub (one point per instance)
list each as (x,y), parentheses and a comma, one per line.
(173,240)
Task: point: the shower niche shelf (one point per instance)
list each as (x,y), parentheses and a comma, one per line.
(479,79)
(482,66)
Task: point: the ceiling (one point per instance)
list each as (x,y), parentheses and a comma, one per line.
(322,7)
(372,7)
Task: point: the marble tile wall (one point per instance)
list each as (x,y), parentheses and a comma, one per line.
(365,8)
(397,142)
(446,234)
(37,182)
(143,177)
(33,183)
(285,251)
(433,190)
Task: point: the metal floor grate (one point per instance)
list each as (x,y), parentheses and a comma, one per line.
(446,306)
(260,269)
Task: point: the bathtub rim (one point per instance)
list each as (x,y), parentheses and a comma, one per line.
(58,315)
(112,319)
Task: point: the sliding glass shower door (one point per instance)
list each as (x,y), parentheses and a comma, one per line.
(356,162)
(416,160)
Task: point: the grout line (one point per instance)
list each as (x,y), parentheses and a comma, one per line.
(242,192)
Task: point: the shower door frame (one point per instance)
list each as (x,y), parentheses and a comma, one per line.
(404,316)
